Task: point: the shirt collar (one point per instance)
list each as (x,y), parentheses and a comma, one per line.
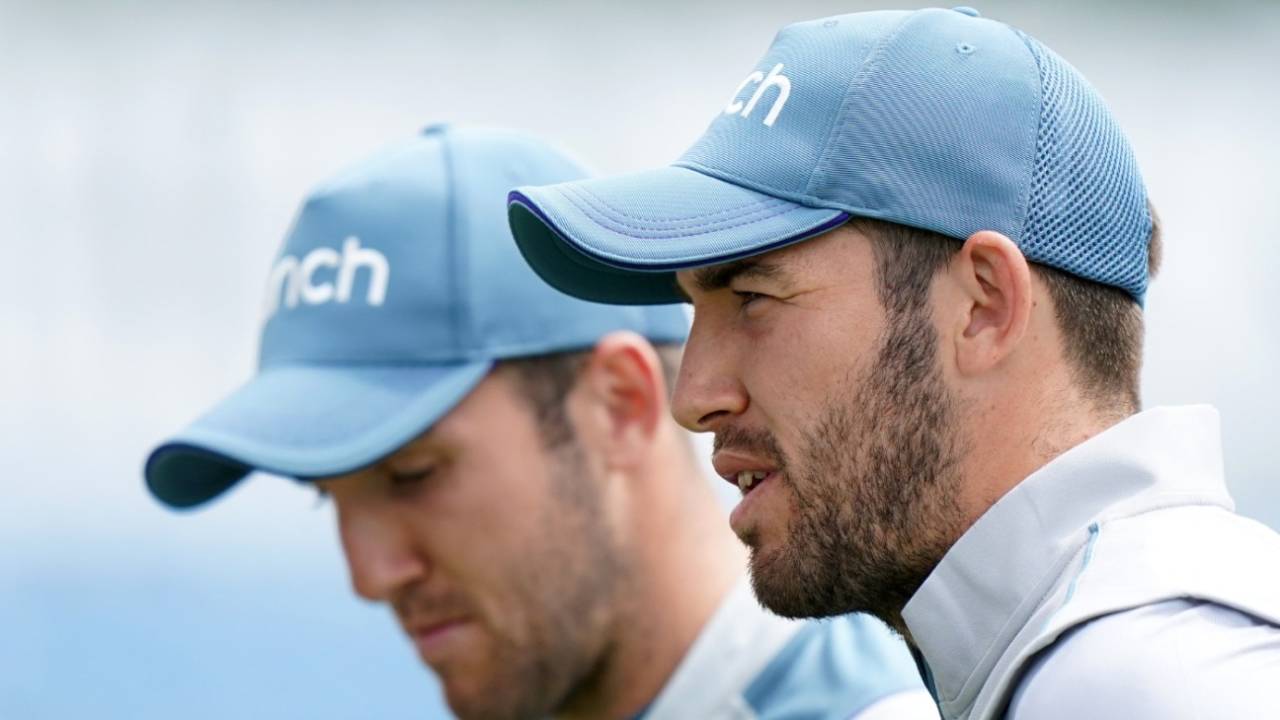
(992,579)
(733,647)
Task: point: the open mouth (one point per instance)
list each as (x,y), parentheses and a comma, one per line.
(749,480)
(746,470)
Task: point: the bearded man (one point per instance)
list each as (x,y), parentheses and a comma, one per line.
(917,245)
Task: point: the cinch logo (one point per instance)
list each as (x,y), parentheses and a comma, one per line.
(296,280)
(775,78)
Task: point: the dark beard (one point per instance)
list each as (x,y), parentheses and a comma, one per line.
(874,489)
(571,581)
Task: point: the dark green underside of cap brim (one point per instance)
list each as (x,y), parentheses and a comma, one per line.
(205,475)
(572,272)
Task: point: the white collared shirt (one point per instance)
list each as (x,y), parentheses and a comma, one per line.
(1114,582)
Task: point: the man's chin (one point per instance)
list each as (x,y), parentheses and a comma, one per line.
(468,698)
(782,589)
(468,682)
(769,580)
(491,685)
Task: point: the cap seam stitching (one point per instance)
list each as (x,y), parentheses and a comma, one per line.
(581,188)
(634,265)
(814,202)
(603,208)
(459,310)
(671,232)
(1025,199)
(805,199)
(874,61)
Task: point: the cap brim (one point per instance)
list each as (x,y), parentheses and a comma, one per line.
(620,239)
(306,422)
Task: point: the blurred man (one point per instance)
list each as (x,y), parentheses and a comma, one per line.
(917,245)
(503,465)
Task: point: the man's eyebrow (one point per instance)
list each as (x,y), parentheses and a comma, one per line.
(719,277)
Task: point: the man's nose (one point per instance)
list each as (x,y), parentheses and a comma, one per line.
(380,556)
(708,390)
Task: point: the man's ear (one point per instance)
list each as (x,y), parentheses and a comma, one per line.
(622,397)
(993,284)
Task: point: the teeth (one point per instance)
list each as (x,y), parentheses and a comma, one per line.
(747,478)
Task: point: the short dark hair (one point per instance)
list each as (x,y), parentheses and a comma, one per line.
(1101,325)
(544,381)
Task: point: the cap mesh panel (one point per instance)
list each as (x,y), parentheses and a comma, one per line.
(1087,211)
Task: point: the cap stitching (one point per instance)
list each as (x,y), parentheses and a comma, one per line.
(805,199)
(673,231)
(816,203)
(1025,200)
(633,265)
(457,250)
(874,59)
(604,208)
(332,456)
(762,204)
(755,206)
(673,264)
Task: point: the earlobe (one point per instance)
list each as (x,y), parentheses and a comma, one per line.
(995,283)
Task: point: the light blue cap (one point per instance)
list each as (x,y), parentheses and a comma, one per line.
(936,119)
(397,290)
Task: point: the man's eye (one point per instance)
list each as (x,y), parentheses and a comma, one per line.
(746,298)
(411,479)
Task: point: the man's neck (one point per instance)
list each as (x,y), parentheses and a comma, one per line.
(1022,434)
(686,562)
(1008,444)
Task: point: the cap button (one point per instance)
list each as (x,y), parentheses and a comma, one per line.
(966,10)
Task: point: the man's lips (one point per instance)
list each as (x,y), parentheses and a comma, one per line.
(742,469)
(432,636)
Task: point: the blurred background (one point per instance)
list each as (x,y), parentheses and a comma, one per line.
(152,155)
